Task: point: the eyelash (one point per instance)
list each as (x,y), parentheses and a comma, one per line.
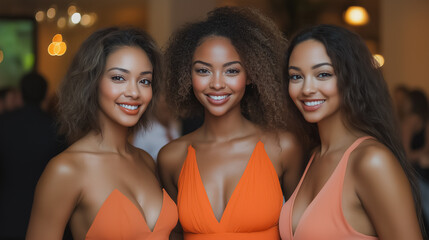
(228,71)
(294,77)
(324,75)
(118,78)
(143,81)
(232,71)
(146,82)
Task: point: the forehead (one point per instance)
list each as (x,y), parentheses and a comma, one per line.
(128,55)
(309,52)
(216,48)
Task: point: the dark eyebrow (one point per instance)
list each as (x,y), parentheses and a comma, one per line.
(294,68)
(127,71)
(313,67)
(224,65)
(201,62)
(320,64)
(231,63)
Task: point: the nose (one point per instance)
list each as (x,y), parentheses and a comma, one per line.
(217,81)
(131,90)
(308,87)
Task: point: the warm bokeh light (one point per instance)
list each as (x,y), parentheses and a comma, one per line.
(40,15)
(356,16)
(1,56)
(51,13)
(86,20)
(61,23)
(71,10)
(379,58)
(57,47)
(93,19)
(75,18)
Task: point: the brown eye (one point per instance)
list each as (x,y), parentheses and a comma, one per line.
(118,78)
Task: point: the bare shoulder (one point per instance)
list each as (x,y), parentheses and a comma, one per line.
(146,158)
(172,155)
(375,168)
(66,165)
(281,144)
(373,158)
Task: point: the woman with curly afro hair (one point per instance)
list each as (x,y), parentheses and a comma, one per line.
(228,175)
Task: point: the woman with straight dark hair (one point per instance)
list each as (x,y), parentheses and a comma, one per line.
(102,185)
(357,184)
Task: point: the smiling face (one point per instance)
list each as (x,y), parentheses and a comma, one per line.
(125,86)
(218,76)
(312,82)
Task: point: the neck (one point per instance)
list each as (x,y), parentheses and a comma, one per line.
(226,127)
(334,134)
(113,137)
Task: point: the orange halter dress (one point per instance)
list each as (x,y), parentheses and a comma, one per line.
(323,219)
(119,219)
(251,213)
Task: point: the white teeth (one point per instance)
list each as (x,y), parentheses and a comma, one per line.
(217,98)
(130,107)
(313,103)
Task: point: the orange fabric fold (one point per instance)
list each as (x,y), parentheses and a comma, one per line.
(119,218)
(252,211)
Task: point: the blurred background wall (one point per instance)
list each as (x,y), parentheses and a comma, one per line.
(396,29)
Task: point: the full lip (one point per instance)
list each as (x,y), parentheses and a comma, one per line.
(129,108)
(218,98)
(312,104)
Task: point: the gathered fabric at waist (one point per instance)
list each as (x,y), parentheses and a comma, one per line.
(269,234)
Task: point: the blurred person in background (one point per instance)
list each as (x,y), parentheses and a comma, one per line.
(28,139)
(415,138)
(163,128)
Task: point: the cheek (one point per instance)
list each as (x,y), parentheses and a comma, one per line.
(293,91)
(331,89)
(237,84)
(199,83)
(147,94)
(107,90)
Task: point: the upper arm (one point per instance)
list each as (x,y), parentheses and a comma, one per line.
(291,162)
(55,198)
(385,193)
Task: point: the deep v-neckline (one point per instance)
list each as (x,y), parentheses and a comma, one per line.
(298,188)
(232,197)
(141,213)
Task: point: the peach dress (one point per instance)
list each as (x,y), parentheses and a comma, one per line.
(323,219)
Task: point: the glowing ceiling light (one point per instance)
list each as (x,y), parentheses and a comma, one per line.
(51,13)
(71,10)
(379,58)
(57,47)
(356,16)
(40,15)
(86,20)
(75,18)
(61,23)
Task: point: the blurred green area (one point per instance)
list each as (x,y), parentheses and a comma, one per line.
(17,44)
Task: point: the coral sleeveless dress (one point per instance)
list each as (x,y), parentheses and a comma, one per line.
(118,218)
(252,211)
(323,219)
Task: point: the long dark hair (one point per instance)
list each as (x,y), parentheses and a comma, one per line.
(78,93)
(365,99)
